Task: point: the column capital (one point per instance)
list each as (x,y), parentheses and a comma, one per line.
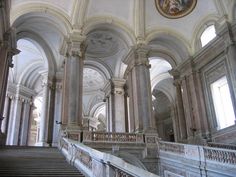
(176,76)
(114,86)
(74,45)
(138,55)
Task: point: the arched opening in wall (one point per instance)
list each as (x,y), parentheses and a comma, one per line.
(163,116)
(93,99)
(101,118)
(208,35)
(163,94)
(25,84)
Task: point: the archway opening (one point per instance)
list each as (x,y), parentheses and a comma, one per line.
(24,88)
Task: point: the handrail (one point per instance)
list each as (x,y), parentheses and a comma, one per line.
(202,153)
(220,145)
(95,163)
(89,136)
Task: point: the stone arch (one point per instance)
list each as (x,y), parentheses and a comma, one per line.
(99,66)
(177,48)
(43,47)
(96,109)
(30,74)
(165,55)
(27,10)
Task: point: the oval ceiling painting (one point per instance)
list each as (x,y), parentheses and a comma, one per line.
(175,8)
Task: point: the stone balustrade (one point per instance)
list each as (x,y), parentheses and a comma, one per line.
(220,155)
(112,137)
(219,145)
(98,164)
(120,173)
(196,160)
(171,147)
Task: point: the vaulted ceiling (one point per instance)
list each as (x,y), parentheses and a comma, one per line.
(111,28)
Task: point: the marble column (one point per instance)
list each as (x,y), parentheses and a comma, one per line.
(126,98)
(114,92)
(44,113)
(138,66)
(73,83)
(7,50)
(6,113)
(131,105)
(26,114)
(15,121)
(57,113)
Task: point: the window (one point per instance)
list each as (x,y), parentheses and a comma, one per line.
(222,103)
(208,34)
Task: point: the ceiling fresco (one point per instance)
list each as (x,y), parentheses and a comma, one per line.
(175,8)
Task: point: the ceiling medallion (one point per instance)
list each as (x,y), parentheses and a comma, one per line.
(175,8)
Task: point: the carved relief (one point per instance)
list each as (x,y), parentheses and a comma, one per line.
(102,42)
(83,157)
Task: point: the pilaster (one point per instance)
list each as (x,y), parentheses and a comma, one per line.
(180,109)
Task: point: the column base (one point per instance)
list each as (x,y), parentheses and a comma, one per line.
(43,144)
(3,138)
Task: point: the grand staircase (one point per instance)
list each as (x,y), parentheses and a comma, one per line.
(35,161)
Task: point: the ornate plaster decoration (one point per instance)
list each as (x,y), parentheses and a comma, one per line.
(102,43)
(175,8)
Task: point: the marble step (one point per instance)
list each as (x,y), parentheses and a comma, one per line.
(35,161)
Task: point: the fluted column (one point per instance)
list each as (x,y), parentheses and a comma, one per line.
(73,83)
(138,66)
(114,92)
